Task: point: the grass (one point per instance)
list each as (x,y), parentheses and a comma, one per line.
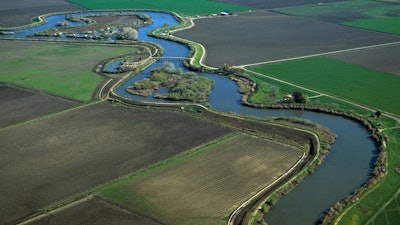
(59,69)
(264,86)
(343,80)
(389,25)
(371,204)
(204,187)
(187,7)
(345,11)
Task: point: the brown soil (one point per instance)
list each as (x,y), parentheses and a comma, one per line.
(384,59)
(50,159)
(19,105)
(270,4)
(96,212)
(20,12)
(264,36)
(206,187)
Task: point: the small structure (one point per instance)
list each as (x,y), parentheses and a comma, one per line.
(288,98)
(225,13)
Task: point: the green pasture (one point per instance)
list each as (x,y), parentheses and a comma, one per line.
(370,210)
(355,83)
(187,7)
(389,214)
(59,69)
(389,25)
(345,11)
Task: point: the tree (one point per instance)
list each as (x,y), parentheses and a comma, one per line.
(298,97)
(378,114)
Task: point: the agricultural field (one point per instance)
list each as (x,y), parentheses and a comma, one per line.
(265,40)
(188,7)
(390,214)
(206,186)
(56,68)
(59,149)
(19,105)
(345,11)
(20,12)
(389,25)
(94,211)
(68,153)
(385,58)
(271,4)
(347,81)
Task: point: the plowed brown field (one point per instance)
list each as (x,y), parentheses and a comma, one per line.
(207,187)
(261,36)
(47,160)
(20,12)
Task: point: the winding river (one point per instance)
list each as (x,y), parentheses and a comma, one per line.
(347,167)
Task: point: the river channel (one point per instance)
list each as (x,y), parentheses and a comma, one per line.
(346,168)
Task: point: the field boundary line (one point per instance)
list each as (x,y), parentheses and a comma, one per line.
(50,115)
(321,54)
(59,209)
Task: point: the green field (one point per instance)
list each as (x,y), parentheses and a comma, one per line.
(355,83)
(346,11)
(187,7)
(60,69)
(204,187)
(370,209)
(389,25)
(389,214)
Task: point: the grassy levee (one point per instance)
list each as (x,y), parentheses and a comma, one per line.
(57,68)
(189,7)
(367,87)
(197,51)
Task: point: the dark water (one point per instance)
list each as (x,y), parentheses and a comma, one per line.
(347,167)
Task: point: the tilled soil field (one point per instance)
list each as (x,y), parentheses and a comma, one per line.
(385,59)
(95,212)
(19,105)
(20,12)
(265,36)
(205,188)
(270,4)
(47,160)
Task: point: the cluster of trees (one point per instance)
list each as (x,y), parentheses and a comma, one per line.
(298,97)
(128,33)
(180,86)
